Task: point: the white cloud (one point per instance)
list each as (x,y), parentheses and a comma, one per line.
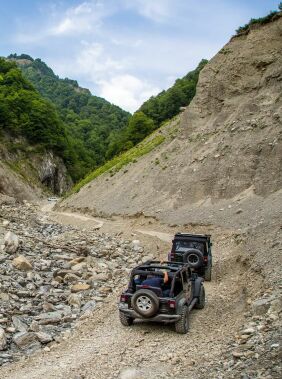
(110,47)
(80,19)
(94,60)
(156,10)
(85,18)
(127,91)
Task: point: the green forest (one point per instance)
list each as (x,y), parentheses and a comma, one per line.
(89,120)
(23,112)
(85,130)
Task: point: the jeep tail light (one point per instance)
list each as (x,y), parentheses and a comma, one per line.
(171,255)
(123,298)
(205,259)
(172,304)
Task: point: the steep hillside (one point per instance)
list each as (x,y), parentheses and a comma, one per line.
(90,120)
(228,140)
(34,148)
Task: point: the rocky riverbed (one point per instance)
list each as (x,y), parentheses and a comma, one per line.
(59,286)
(51,276)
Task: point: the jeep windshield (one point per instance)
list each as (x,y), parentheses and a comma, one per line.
(181,246)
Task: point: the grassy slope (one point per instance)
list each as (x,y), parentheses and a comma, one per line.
(168,131)
(121,160)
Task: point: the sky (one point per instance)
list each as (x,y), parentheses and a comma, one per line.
(123,50)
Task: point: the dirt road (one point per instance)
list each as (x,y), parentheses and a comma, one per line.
(101,347)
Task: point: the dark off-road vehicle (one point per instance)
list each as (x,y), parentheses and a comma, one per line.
(194,249)
(170,302)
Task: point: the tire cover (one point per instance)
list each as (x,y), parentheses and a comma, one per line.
(196,257)
(145,302)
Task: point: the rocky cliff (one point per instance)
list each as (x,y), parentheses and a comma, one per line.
(28,171)
(226,144)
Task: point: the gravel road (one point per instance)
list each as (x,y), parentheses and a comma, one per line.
(101,347)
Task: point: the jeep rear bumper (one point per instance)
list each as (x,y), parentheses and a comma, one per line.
(157,318)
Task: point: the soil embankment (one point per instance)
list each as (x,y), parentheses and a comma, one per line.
(226,144)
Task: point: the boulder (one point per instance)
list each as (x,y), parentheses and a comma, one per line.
(25,340)
(261,306)
(19,325)
(49,318)
(44,337)
(130,373)
(75,261)
(71,278)
(79,266)
(3,339)
(74,300)
(11,243)
(22,263)
(103,277)
(88,307)
(80,287)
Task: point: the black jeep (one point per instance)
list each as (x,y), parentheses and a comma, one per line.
(170,302)
(194,249)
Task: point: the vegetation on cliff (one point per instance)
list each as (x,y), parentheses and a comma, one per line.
(90,120)
(98,129)
(259,21)
(24,113)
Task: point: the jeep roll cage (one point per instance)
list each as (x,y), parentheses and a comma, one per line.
(205,239)
(176,271)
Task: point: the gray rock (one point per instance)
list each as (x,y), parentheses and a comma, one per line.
(3,339)
(261,306)
(248,331)
(44,337)
(74,300)
(49,318)
(11,243)
(25,340)
(89,307)
(19,324)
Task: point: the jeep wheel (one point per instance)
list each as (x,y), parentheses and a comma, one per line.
(182,325)
(208,273)
(125,320)
(145,302)
(194,258)
(202,299)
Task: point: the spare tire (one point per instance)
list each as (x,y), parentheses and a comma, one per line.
(194,258)
(145,302)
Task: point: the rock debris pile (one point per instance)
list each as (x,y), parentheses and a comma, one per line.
(255,351)
(51,276)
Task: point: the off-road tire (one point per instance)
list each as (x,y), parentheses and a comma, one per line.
(145,303)
(202,299)
(182,325)
(194,258)
(208,274)
(125,320)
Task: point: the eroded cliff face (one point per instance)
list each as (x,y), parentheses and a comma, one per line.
(226,143)
(13,185)
(52,172)
(28,173)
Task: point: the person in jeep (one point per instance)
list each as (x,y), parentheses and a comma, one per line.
(157,281)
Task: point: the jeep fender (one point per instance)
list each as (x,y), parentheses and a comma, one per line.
(197,286)
(180,304)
